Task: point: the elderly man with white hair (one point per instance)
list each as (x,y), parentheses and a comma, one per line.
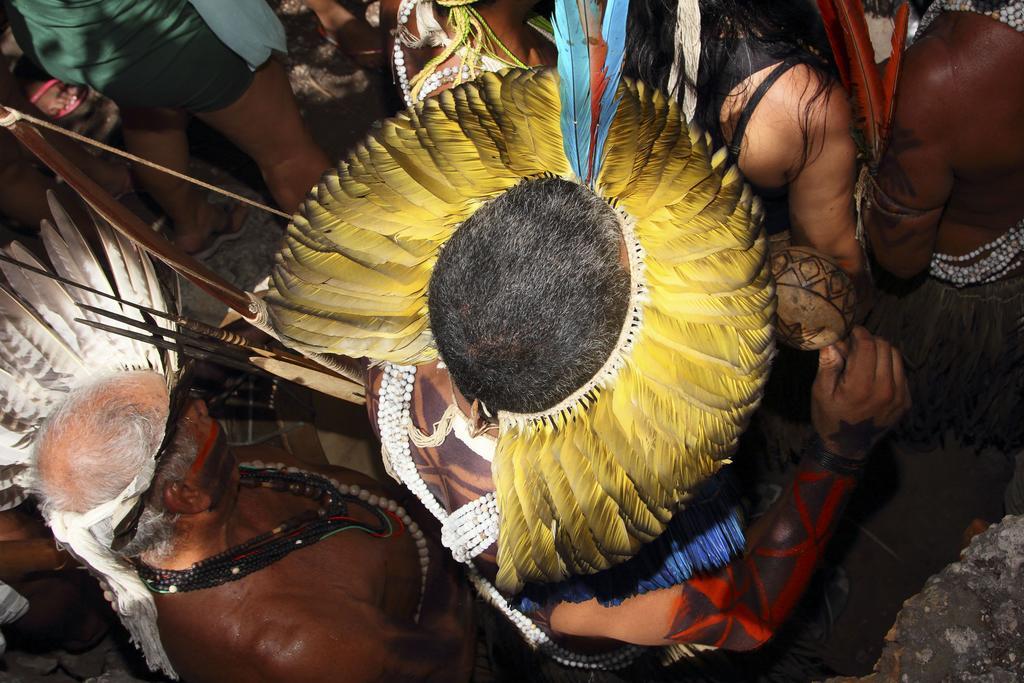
(260,570)
(250,576)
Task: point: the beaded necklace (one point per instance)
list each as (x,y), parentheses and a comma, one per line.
(473,59)
(394,420)
(1009,13)
(301,531)
(988,263)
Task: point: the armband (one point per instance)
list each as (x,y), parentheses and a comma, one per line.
(832,461)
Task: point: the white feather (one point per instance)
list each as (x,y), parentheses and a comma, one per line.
(76,263)
(22,403)
(687,56)
(45,296)
(11,491)
(43,351)
(29,344)
(141,293)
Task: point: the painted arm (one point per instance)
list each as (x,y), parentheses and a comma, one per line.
(905,199)
(741,606)
(860,392)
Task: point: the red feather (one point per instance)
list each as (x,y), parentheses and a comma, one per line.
(834,31)
(865,81)
(890,79)
(598,49)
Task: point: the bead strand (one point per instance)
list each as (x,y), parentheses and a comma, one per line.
(536,637)
(1001,256)
(388,505)
(1009,13)
(404,12)
(393,420)
(433,82)
(471,529)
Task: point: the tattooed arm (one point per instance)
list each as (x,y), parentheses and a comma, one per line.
(906,198)
(860,392)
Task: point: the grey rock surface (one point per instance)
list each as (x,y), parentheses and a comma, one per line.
(30,664)
(115,677)
(968,622)
(85,664)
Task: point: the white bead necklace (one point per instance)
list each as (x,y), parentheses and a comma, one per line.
(1002,255)
(404,11)
(471,529)
(433,83)
(1009,13)
(379,501)
(394,420)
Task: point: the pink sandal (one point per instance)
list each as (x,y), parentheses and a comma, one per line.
(75,103)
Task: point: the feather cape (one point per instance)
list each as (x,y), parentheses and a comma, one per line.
(583,493)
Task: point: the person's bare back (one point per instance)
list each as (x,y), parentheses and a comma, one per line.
(956,153)
(341,609)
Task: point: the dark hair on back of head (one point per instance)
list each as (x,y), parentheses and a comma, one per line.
(529,296)
(781,28)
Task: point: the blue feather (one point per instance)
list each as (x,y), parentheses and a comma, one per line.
(613,29)
(573,84)
(703,537)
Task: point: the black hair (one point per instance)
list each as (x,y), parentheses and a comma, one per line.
(881,8)
(528,297)
(783,29)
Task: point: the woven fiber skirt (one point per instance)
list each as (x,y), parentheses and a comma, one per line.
(965,359)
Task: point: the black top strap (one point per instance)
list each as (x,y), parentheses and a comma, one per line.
(746,56)
(755,99)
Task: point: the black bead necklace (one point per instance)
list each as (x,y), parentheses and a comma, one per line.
(267,548)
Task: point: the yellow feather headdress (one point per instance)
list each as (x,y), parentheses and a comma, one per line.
(582,486)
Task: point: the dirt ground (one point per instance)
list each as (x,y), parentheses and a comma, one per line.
(905,523)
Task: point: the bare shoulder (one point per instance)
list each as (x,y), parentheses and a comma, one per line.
(967,68)
(798,115)
(956,72)
(928,76)
(958,41)
(809,101)
(316,641)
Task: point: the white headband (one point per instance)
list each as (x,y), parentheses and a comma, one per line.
(88,536)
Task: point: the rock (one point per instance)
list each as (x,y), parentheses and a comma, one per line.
(85,664)
(115,677)
(115,662)
(54,677)
(28,664)
(968,622)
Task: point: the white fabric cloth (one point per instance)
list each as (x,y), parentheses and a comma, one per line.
(12,607)
(88,537)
